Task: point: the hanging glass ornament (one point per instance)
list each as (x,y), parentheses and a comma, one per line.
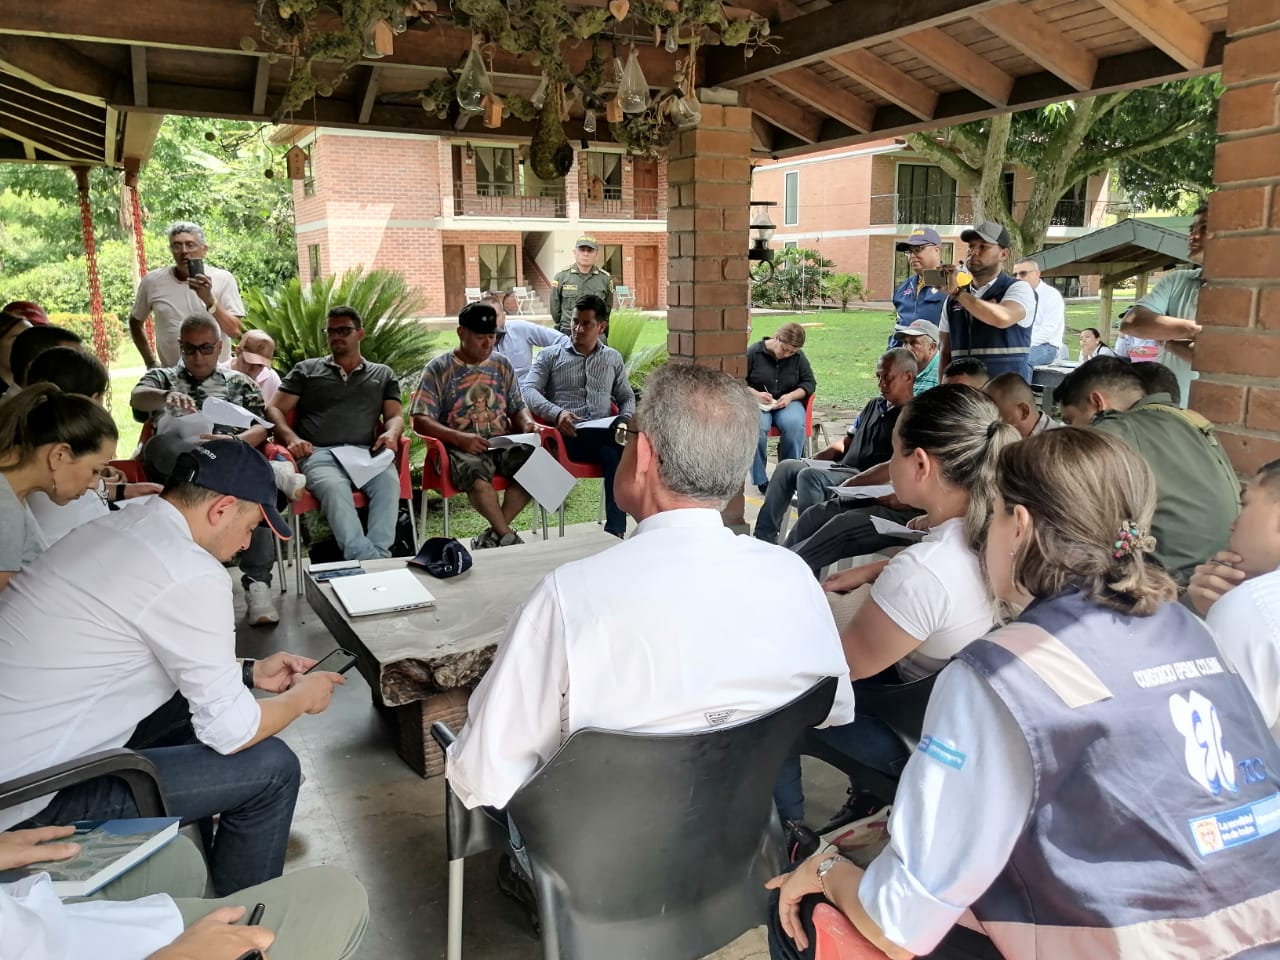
(615,76)
(540,94)
(673,41)
(399,22)
(589,121)
(633,93)
(473,82)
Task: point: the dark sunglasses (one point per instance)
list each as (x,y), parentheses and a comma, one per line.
(191,349)
(339,331)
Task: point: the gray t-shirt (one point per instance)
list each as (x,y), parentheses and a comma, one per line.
(20,538)
(335,408)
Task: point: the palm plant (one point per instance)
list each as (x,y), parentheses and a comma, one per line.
(625,327)
(295,318)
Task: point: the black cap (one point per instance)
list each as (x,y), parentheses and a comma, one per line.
(478,318)
(990,231)
(236,469)
(443,557)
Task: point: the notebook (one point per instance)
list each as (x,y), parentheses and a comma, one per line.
(108,848)
(383,592)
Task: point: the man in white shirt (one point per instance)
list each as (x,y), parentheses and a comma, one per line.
(1048,318)
(171,294)
(676,645)
(123,634)
(517,338)
(1238,593)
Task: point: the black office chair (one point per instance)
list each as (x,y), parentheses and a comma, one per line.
(645,846)
(138,773)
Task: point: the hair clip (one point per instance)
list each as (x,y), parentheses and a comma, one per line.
(1127,540)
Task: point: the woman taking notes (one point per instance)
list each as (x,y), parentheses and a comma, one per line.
(781,379)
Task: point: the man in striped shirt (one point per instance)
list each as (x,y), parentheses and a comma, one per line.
(582,381)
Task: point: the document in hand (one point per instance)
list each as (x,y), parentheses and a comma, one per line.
(545,480)
(227,414)
(872,491)
(108,848)
(361,465)
(600,423)
(190,426)
(888,528)
(515,440)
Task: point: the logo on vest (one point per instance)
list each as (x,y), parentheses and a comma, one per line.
(1208,762)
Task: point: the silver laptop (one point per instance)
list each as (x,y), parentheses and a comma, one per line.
(384,592)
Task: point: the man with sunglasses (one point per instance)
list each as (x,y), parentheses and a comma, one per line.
(344,400)
(183,389)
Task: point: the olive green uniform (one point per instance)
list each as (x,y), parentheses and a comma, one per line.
(569,285)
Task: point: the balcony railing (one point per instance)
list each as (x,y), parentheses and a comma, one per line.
(505,200)
(644,203)
(947,208)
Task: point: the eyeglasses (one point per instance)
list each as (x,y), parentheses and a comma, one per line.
(339,331)
(622,431)
(204,349)
(1022,273)
(184,245)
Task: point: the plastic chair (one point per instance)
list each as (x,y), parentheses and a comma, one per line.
(138,773)
(554,444)
(132,470)
(645,845)
(435,476)
(808,427)
(835,938)
(626,298)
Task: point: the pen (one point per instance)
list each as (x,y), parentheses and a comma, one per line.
(255,917)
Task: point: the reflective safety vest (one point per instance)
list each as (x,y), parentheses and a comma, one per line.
(1002,349)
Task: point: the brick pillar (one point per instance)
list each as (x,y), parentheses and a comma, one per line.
(709,192)
(1238,353)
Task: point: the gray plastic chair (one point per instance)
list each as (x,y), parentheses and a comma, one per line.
(645,846)
(138,773)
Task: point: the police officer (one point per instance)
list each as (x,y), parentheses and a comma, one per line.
(914,299)
(578,280)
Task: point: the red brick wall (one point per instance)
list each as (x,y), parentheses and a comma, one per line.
(1238,354)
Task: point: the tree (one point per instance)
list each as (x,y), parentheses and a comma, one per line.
(1065,143)
(845,287)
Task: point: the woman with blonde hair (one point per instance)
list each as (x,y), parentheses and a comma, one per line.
(1093,780)
(781,380)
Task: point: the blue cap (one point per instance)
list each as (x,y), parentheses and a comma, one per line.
(920,237)
(236,469)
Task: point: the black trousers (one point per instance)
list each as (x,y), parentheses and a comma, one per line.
(837,529)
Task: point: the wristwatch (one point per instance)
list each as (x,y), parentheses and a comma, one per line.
(825,867)
(246,672)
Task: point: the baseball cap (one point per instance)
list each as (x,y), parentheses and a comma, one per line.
(442,557)
(990,231)
(919,328)
(920,237)
(478,318)
(29,311)
(263,355)
(237,470)
(586,241)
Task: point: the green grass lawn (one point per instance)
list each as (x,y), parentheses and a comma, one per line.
(842,346)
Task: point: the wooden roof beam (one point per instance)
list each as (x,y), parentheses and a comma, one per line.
(955,60)
(783,114)
(852,111)
(368,96)
(1043,43)
(55,66)
(888,81)
(138,72)
(261,79)
(1168,26)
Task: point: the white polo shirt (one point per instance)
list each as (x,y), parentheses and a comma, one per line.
(1246,623)
(169,301)
(102,629)
(1049,317)
(681,628)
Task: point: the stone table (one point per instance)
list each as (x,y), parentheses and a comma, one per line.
(422,664)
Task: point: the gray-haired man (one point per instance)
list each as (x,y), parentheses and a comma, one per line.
(170,294)
(694,653)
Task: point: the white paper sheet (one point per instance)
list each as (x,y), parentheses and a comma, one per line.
(360,465)
(545,480)
(600,423)
(819,464)
(888,528)
(190,426)
(515,440)
(228,414)
(872,490)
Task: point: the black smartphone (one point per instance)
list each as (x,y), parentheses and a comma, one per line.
(339,661)
(933,278)
(195,267)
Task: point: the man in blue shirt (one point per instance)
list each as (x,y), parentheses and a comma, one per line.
(517,338)
(914,300)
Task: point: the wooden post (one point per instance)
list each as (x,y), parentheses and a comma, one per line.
(1105,292)
(1140,285)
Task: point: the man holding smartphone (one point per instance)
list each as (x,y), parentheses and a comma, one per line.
(171,294)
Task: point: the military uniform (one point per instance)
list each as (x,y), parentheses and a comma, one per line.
(568,285)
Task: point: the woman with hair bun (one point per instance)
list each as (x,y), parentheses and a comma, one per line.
(1093,780)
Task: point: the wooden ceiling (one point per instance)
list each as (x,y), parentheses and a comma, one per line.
(84,83)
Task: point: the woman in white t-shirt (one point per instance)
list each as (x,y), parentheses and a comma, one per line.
(930,600)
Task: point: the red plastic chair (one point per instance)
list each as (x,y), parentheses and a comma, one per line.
(808,427)
(553,442)
(132,470)
(435,476)
(835,938)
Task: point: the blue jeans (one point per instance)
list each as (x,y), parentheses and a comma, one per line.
(795,478)
(1042,354)
(253,791)
(332,487)
(867,740)
(790,423)
(598,446)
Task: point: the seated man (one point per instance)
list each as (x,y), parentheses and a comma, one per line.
(1017,404)
(580,380)
(676,626)
(183,389)
(341,400)
(868,443)
(1238,593)
(1197,493)
(921,338)
(1157,378)
(970,371)
(145,658)
(466,397)
(517,338)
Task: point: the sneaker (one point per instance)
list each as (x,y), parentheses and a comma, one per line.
(509,539)
(801,842)
(262,606)
(486,540)
(291,483)
(858,805)
(515,885)
(763,488)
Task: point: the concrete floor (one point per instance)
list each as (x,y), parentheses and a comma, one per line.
(362,809)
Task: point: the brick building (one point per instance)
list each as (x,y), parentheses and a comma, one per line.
(853,205)
(453,214)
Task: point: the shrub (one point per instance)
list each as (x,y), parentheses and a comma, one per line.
(845,287)
(625,327)
(799,277)
(82,325)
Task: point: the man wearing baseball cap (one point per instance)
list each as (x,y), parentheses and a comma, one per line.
(578,280)
(914,299)
(988,313)
(921,338)
(140,606)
